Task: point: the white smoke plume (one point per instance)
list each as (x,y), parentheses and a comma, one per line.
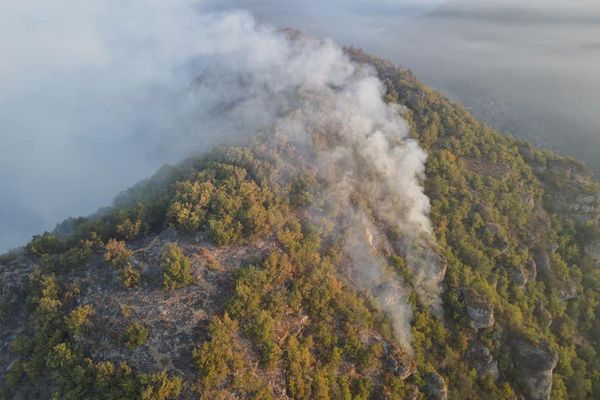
(185,80)
(306,92)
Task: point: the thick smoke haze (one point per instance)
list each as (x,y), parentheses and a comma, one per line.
(87,91)
(92,94)
(529,68)
(143,84)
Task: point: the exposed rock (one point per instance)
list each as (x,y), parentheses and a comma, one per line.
(518,278)
(568,290)
(401,364)
(412,393)
(479,311)
(483,361)
(535,364)
(397,361)
(542,315)
(523,274)
(532,269)
(435,387)
(542,261)
(500,241)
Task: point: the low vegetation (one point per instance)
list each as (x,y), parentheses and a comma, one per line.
(176,268)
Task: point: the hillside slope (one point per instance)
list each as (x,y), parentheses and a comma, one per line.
(234,275)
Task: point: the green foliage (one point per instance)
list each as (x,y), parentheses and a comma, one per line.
(160,386)
(135,335)
(292,318)
(47,243)
(117,253)
(176,267)
(220,357)
(223,200)
(129,229)
(79,318)
(190,204)
(130,276)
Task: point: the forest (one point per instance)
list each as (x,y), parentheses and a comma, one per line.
(513,225)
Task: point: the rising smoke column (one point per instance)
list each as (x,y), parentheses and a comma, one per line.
(119,88)
(307,93)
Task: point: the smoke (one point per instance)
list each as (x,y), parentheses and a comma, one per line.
(165,81)
(524,67)
(307,93)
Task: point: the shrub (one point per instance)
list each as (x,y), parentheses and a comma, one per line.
(136,335)
(176,267)
(79,318)
(129,229)
(75,257)
(190,204)
(47,243)
(117,253)
(225,202)
(160,386)
(130,276)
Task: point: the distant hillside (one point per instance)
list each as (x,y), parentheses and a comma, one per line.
(509,62)
(232,275)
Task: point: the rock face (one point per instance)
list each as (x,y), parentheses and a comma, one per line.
(542,262)
(436,387)
(568,290)
(479,311)
(398,361)
(519,278)
(578,196)
(535,364)
(543,316)
(482,360)
(524,274)
(401,364)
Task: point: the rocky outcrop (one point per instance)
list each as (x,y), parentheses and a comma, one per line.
(482,360)
(543,316)
(435,386)
(521,275)
(542,261)
(395,359)
(400,364)
(568,290)
(479,310)
(573,191)
(535,364)
(412,393)
(500,240)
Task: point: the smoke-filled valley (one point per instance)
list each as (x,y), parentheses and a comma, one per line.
(329,228)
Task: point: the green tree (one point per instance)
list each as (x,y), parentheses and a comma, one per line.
(176,267)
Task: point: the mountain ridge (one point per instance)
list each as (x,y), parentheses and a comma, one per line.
(274,306)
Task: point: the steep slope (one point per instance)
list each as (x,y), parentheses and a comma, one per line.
(269,292)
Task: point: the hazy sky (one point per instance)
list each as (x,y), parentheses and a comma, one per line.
(93,94)
(530,68)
